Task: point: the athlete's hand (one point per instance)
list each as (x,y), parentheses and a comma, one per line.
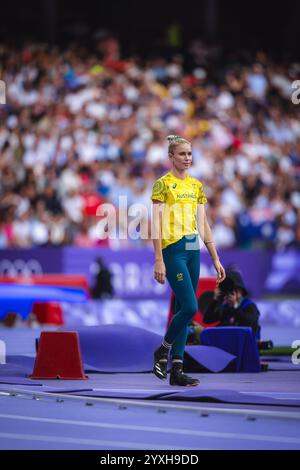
(220,271)
(160,272)
(217,293)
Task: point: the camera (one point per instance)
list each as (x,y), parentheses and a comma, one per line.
(226,287)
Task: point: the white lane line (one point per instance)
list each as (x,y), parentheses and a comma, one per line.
(21,393)
(88,442)
(157,429)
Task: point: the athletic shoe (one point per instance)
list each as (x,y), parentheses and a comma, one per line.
(177,377)
(160,364)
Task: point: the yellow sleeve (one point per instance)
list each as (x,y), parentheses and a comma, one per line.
(159,192)
(201,195)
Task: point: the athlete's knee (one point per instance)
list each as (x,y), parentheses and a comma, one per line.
(190,309)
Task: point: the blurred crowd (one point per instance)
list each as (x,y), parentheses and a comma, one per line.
(80,129)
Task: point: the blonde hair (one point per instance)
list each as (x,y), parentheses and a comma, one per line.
(175,140)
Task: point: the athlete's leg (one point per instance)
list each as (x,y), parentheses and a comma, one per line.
(193,266)
(179,278)
(180,281)
(177,348)
(177,273)
(177,377)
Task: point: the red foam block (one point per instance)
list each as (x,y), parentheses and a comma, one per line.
(48,313)
(58,356)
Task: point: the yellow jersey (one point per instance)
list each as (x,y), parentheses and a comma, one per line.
(181,197)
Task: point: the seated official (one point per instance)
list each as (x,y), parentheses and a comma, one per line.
(232,306)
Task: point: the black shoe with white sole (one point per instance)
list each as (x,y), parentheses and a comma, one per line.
(160,364)
(177,377)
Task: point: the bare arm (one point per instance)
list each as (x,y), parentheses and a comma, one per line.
(207,238)
(157,215)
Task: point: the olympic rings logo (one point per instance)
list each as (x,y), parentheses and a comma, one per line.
(20,267)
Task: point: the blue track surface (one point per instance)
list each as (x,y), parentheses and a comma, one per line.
(47,424)
(58,421)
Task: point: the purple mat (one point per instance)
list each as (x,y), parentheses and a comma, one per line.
(193,395)
(211,358)
(46,388)
(43,388)
(130,394)
(229,396)
(149,394)
(118,348)
(23,364)
(123,348)
(17,371)
(18,381)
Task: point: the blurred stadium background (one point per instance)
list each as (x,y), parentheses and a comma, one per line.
(92,91)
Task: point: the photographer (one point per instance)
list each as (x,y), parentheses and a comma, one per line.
(231,305)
